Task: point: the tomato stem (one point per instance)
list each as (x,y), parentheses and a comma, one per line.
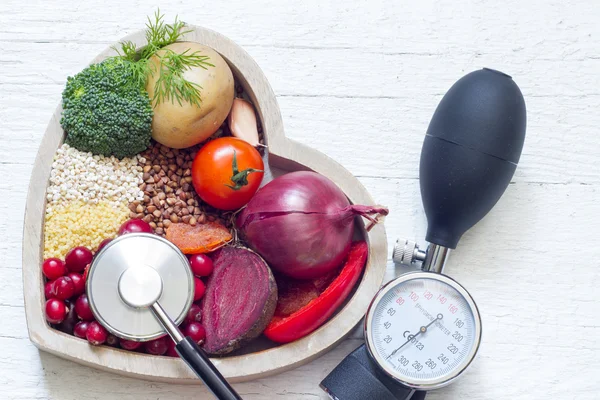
(240,178)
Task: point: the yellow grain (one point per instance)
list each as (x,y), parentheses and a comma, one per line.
(79,224)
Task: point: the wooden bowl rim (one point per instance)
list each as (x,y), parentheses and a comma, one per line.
(285,153)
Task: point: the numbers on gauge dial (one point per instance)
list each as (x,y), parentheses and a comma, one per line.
(423,329)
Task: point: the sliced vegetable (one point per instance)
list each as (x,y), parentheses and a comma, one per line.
(202,238)
(317,311)
(240,299)
(293,294)
(227,172)
(301,223)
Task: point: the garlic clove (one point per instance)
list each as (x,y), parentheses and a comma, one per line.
(242,121)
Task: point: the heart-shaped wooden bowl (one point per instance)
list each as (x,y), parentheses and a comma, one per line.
(263,358)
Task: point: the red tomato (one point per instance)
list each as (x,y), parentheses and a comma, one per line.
(227,172)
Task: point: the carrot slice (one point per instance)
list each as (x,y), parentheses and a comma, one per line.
(201,238)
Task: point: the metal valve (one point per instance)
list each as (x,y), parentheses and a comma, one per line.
(433,259)
(407,252)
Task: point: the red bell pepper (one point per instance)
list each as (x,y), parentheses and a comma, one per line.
(317,311)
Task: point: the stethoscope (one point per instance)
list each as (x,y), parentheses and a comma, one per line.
(140,286)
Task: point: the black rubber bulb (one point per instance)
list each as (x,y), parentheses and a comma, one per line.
(470,153)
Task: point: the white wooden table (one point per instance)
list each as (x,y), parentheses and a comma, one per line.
(363,75)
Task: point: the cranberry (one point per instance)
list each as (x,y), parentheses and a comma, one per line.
(112,340)
(63,288)
(135,226)
(195,314)
(171,352)
(102,244)
(56,311)
(78,258)
(195,331)
(201,264)
(96,334)
(68,324)
(129,344)
(48,290)
(80,329)
(82,308)
(53,268)
(85,272)
(199,289)
(78,282)
(158,347)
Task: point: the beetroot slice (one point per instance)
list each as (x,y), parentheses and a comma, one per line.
(240,300)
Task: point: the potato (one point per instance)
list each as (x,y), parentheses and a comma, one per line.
(185,125)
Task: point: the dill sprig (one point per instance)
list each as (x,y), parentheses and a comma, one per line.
(171,85)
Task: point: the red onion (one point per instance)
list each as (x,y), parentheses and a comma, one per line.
(302,224)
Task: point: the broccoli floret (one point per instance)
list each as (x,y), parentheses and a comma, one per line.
(106,111)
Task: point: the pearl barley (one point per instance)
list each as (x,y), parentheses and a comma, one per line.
(81,176)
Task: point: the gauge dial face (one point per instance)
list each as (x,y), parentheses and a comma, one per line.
(423,329)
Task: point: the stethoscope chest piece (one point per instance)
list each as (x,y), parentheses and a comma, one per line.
(130,274)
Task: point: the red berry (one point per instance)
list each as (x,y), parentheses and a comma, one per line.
(129,344)
(96,334)
(63,288)
(82,308)
(201,264)
(78,258)
(68,324)
(199,289)
(56,311)
(103,243)
(80,329)
(158,347)
(85,273)
(112,340)
(48,290)
(78,282)
(171,352)
(53,268)
(195,331)
(195,314)
(135,226)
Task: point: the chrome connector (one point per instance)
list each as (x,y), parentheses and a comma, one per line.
(407,252)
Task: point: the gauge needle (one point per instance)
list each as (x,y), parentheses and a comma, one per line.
(422,329)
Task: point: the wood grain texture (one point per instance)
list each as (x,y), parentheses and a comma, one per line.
(364,75)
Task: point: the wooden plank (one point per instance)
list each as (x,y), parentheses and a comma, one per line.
(393,128)
(537,243)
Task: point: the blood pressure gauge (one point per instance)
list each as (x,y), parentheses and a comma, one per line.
(423,329)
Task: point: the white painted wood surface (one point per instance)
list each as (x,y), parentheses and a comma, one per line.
(364,75)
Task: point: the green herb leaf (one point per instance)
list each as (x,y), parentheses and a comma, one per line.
(171,84)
